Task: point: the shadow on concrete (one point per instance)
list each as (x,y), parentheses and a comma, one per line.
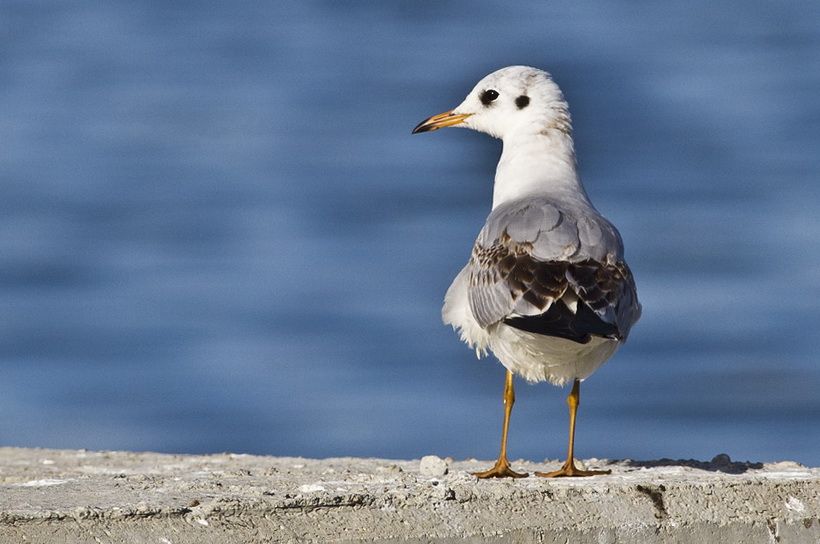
(720,463)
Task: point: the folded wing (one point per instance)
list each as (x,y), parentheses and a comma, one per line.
(538,268)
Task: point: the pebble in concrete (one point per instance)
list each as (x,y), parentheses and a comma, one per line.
(432,466)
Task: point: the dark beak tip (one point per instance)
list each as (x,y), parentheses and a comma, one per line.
(422,128)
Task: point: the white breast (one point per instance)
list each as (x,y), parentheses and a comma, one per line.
(456,312)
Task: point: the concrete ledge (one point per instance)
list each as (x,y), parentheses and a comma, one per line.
(80,496)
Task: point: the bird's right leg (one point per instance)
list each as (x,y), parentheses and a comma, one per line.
(569,468)
(502,469)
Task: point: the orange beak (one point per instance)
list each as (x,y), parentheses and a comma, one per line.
(446,119)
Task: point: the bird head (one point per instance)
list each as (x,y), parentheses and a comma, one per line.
(517,100)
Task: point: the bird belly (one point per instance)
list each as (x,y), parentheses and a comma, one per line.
(538,358)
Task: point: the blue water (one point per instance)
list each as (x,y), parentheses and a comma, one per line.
(216,232)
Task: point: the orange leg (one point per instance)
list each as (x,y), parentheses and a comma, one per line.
(502,469)
(569,468)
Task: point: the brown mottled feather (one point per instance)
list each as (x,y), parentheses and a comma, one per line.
(602,287)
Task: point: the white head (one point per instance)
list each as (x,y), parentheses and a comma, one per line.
(525,108)
(512,101)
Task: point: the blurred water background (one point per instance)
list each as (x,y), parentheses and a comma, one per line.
(216,232)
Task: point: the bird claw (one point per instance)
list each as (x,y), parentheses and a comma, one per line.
(569,470)
(501,469)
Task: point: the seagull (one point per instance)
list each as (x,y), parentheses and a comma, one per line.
(546,289)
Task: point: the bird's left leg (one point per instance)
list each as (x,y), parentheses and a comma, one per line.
(569,468)
(502,469)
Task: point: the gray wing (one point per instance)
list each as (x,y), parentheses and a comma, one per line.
(552,268)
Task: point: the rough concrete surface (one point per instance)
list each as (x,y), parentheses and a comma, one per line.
(82,496)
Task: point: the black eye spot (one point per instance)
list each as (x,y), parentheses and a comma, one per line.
(522,101)
(488,96)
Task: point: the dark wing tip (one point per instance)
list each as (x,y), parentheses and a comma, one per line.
(559,321)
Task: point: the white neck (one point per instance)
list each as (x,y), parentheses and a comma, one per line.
(542,163)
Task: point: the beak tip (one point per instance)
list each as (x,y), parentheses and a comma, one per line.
(422,128)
